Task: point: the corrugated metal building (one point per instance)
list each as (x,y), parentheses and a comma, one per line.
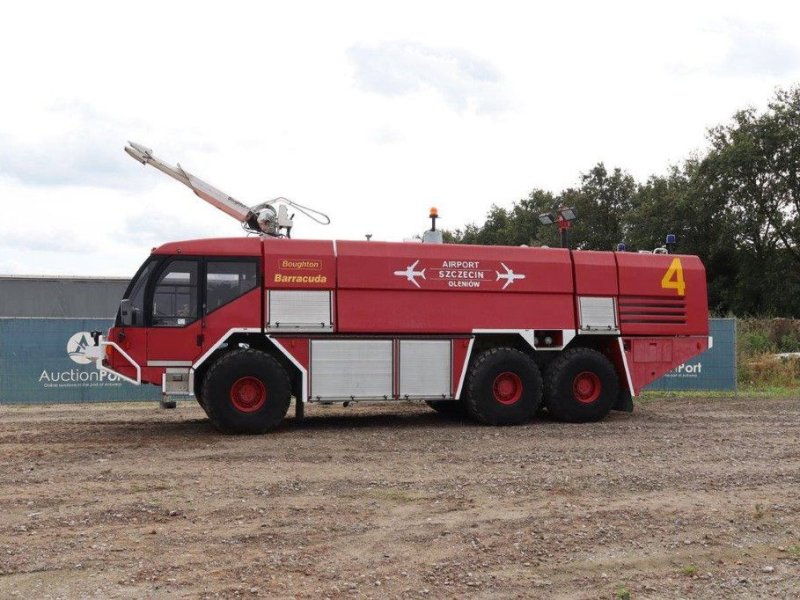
(60,297)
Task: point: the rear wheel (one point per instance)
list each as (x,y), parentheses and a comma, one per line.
(246,391)
(504,387)
(580,386)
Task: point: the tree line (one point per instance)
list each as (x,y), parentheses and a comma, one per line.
(737,206)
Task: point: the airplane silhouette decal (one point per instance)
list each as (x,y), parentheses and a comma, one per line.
(509,276)
(411,274)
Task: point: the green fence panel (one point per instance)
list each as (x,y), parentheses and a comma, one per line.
(42,361)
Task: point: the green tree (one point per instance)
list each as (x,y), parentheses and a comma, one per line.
(602,202)
(515,227)
(752,169)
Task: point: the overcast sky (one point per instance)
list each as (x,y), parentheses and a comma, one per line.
(368,111)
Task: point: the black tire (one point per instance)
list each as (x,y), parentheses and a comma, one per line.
(246,391)
(580,386)
(451,409)
(198,389)
(504,387)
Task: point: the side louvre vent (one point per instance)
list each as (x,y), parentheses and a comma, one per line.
(597,314)
(652,309)
(299,310)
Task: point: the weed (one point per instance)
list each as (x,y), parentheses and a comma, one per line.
(622,593)
(759,512)
(689,570)
(794,551)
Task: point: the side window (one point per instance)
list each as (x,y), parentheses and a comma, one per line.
(227,280)
(136,295)
(175,295)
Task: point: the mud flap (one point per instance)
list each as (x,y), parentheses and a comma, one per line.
(624,401)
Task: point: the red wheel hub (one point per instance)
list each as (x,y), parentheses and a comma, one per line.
(586,387)
(248,394)
(507,388)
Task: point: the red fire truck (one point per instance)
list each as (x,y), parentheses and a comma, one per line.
(490,332)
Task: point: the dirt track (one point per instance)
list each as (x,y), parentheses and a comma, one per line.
(683,498)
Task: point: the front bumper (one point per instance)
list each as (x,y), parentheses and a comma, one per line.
(97,354)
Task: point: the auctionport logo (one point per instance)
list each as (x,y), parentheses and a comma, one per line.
(76,347)
(76,350)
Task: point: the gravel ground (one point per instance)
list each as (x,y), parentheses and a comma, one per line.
(685,498)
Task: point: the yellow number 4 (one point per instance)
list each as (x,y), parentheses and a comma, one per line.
(673,278)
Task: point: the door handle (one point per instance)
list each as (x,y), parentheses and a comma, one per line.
(200,339)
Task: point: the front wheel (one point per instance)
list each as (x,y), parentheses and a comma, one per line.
(580,386)
(504,387)
(198,394)
(246,391)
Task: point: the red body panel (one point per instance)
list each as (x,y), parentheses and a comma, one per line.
(398,289)
(648,308)
(298,349)
(165,343)
(427,288)
(299,264)
(132,340)
(650,358)
(243,312)
(386,311)
(595,273)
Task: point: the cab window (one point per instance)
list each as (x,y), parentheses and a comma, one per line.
(227,280)
(175,301)
(135,293)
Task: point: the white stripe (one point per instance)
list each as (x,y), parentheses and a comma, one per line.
(625,364)
(464,368)
(302,369)
(221,341)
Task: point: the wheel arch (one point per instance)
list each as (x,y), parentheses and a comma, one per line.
(235,339)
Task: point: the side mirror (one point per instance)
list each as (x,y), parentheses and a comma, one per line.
(126,313)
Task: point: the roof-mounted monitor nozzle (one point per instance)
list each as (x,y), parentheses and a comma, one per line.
(268,218)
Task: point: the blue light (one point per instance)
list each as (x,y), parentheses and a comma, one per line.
(671,239)
(621,247)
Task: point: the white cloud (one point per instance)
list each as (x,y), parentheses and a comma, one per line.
(737,48)
(758,50)
(398,68)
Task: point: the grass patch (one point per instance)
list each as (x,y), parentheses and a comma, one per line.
(622,593)
(750,391)
(688,570)
(757,342)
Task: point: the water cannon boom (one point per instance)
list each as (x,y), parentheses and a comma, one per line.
(262,219)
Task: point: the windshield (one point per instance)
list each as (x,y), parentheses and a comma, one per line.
(135,293)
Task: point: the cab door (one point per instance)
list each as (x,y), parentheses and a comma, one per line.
(232,297)
(174,307)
